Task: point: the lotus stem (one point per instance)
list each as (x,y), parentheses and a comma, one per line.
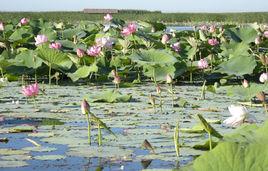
(99,135)
(35,106)
(191,73)
(35,76)
(172,94)
(88,129)
(176,140)
(203,91)
(155,83)
(2,72)
(210,141)
(161,102)
(49,75)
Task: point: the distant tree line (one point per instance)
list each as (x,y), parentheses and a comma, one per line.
(260,17)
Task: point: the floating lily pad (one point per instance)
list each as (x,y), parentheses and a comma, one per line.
(40,149)
(110,97)
(49,157)
(7,151)
(22,128)
(7,163)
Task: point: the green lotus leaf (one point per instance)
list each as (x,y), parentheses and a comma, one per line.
(20,34)
(245,34)
(159,72)
(153,57)
(54,57)
(247,93)
(28,59)
(234,157)
(83,72)
(238,65)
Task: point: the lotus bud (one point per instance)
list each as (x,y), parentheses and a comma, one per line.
(245,83)
(169,79)
(80,53)
(158,89)
(152,30)
(261,96)
(114,73)
(85,108)
(1,26)
(263,77)
(264,59)
(165,39)
(152,99)
(24,21)
(117,79)
(75,39)
(257,40)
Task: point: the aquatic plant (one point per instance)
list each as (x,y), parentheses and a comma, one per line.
(31,91)
(209,129)
(85,108)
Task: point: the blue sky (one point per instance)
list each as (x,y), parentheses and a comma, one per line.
(164,5)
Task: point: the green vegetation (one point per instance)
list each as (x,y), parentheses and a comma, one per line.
(260,17)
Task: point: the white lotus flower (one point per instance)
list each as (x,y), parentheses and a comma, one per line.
(264,77)
(3,80)
(238,115)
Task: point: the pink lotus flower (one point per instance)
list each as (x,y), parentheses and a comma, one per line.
(55,45)
(94,51)
(263,77)
(85,108)
(2,26)
(165,39)
(202,64)
(212,29)
(245,83)
(24,21)
(257,40)
(80,53)
(40,39)
(213,42)
(203,28)
(130,29)
(105,42)
(176,47)
(30,90)
(265,34)
(108,17)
